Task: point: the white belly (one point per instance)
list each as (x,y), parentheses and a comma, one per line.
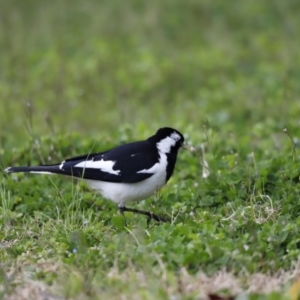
(121,193)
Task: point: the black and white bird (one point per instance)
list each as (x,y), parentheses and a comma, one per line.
(130,172)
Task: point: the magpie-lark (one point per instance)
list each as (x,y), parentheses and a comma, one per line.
(130,172)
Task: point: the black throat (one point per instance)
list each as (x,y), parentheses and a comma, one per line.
(171,161)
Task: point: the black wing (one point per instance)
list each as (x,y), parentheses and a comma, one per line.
(120,164)
(126,161)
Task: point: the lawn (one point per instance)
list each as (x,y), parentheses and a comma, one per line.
(81,76)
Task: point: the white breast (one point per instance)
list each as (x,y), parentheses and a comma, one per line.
(122,193)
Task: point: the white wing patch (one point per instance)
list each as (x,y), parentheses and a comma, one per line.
(122,193)
(61,165)
(152,170)
(159,167)
(103,165)
(41,172)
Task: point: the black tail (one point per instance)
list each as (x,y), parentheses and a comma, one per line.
(67,167)
(51,169)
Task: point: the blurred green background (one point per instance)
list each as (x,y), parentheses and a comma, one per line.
(79,76)
(96,66)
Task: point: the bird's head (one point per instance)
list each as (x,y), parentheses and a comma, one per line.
(168,140)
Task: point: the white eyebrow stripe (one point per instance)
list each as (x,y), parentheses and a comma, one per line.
(165,144)
(175,136)
(103,165)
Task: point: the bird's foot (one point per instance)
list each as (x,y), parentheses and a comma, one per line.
(150,215)
(156,218)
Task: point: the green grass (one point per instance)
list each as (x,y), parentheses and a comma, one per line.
(78,76)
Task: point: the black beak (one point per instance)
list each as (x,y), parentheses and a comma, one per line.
(188,147)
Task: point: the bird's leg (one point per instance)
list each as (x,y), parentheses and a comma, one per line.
(122,209)
(149,214)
